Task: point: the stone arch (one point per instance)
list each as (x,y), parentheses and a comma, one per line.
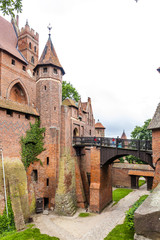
(17,92)
(75,132)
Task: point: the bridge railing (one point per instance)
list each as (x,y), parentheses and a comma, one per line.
(113,142)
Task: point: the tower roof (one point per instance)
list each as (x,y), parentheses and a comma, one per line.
(99,125)
(123,135)
(49,56)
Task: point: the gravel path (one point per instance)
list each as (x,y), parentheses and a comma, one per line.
(95,227)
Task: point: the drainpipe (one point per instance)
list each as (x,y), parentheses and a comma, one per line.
(5,193)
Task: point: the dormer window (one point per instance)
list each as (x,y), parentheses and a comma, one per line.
(44,70)
(55,70)
(30,45)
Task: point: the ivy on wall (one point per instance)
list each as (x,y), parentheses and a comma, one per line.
(32,144)
(7,223)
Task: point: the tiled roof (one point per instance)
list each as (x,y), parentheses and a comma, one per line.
(99,125)
(69,102)
(49,56)
(18,107)
(8,39)
(155,122)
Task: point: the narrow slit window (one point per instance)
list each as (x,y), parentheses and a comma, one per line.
(47,182)
(47,160)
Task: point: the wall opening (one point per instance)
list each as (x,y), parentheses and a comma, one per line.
(47,160)
(75,133)
(34,175)
(47,182)
(18,94)
(46,203)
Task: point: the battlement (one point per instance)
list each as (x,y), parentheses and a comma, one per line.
(30,31)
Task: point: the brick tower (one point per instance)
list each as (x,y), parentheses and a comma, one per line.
(28,44)
(49,74)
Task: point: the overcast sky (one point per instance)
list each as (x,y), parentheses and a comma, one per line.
(110,50)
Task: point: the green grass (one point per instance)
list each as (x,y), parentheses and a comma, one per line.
(141,182)
(28,234)
(120,193)
(84,215)
(120,232)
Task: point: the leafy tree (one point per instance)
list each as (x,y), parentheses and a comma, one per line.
(32,144)
(7,7)
(139,133)
(68,91)
(142,133)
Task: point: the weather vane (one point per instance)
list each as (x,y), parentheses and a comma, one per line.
(49,28)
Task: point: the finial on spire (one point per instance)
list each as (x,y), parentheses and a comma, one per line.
(49,28)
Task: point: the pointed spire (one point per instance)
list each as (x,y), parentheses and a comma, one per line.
(49,28)
(49,56)
(123,135)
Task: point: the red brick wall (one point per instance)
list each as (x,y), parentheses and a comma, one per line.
(120,177)
(156,155)
(101,185)
(11,130)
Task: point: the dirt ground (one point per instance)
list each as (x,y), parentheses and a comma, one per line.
(94,227)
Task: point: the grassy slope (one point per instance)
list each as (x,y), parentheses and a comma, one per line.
(120,193)
(29,234)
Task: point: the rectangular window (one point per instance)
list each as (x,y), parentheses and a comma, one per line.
(13,62)
(24,68)
(45,70)
(9,112)
(47,160)
(27,116)
(55,70)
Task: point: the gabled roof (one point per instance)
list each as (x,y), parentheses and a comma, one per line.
(99,125)
(18,107)
(9,39)
(49,56)
(70,103)
(155,122)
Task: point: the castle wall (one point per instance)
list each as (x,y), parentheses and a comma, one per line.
(156,155)
(11,130)
(11,74)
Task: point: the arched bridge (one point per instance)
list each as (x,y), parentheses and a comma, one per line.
(114,148)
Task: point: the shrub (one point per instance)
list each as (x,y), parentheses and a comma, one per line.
(129,220)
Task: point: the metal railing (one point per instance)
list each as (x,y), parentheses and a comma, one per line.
(141,145)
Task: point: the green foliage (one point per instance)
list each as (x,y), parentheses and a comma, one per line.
(129,220)
(7,7)
(68,91)
(32,144)
(120,193)
(29,234)
(141,182)
(142,133)
(84,214)
(7,223)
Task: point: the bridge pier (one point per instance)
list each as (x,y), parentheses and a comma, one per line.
(101,183)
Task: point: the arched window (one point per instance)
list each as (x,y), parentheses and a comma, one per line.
(18,94)
(32,59)
(75,133)
(30,45)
